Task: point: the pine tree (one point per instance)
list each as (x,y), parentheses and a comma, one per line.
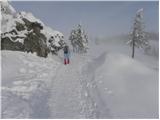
(79,40)
(137,36)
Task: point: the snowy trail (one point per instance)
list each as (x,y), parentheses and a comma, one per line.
(65,94)
(66,99)
(102,109)
(48,89)
(74,93)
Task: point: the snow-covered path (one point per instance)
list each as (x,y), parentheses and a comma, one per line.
(58,91)
(68,98)
(65,93)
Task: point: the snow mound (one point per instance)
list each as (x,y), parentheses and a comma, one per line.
(134,87)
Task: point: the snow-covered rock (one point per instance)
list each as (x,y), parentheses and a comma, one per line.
(21,31)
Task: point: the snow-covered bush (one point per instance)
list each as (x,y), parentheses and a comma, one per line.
(56,42)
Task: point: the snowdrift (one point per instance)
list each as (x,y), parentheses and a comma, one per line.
(129,88)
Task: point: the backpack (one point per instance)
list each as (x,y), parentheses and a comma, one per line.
(65,49)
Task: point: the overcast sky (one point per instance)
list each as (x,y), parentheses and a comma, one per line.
(100,19)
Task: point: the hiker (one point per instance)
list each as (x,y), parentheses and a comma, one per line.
(66,54)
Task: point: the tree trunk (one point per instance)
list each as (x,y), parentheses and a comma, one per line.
(133,49)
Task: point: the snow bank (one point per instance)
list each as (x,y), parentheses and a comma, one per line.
(130,88)
(26,80)
(148,57)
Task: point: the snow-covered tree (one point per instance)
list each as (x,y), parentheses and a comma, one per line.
(137,36)
(79,40)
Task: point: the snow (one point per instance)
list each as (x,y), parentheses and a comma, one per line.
(133,85)
(7,7)
(99,84)
(8,23)
(10,17)
(22,70)
(8,13)
(103,83)
(139,11)
(47,31)
(57,36)
(21,88)
(20,34)
(58,90)
(29,16)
